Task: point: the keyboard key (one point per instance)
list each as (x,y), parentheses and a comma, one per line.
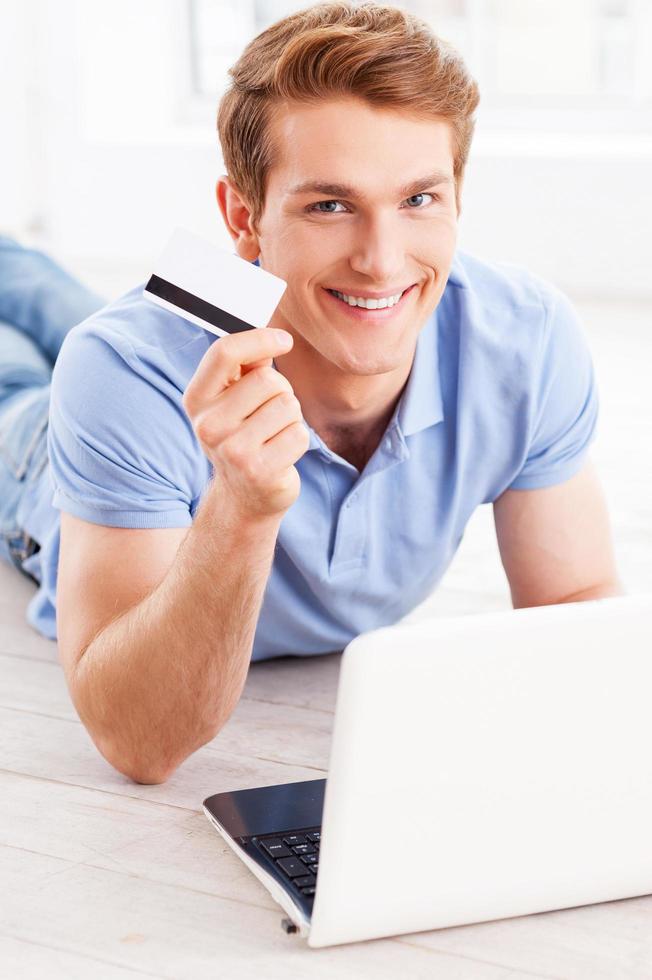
(314,837)
(292,866)
(301,849)
(310,858)
(276,848)
(304,881)
(293,839)
(309,891)
(314,867)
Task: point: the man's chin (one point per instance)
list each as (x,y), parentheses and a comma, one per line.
(370,362)
(361,352)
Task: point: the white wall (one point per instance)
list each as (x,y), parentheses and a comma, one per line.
(104,157)
(20,173)
(577,211)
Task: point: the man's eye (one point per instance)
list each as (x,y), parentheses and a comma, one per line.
(329,211)
(416,197)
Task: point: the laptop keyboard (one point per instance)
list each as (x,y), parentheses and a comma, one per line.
(296,855)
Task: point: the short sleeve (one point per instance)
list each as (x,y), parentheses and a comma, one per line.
(565,410)
(121,449)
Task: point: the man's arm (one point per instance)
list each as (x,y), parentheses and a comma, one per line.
(156,626)
(161,678)
(555,543)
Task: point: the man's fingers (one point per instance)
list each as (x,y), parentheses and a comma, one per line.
(222,363)
(287,447)
(259,385)
(271,417)
(248,435)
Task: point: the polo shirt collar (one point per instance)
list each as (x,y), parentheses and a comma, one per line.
(421,403)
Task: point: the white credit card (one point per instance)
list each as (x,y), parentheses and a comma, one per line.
(213,288)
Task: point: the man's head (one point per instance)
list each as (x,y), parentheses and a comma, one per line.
(364,97)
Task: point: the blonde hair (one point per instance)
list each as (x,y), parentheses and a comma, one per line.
(378,53)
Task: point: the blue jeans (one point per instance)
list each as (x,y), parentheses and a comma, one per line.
(39,303)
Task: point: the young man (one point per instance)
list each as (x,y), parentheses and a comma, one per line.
(281,490)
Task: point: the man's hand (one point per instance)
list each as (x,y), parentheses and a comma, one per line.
(248,420)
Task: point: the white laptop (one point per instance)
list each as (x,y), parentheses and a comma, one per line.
(481,767)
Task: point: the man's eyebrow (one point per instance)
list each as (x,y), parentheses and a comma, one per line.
(345,190)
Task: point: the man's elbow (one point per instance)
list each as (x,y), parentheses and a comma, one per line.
(601,590)
(139,769)
(148,759)
(147,769)
(145,776)
(152,769)
(527,599)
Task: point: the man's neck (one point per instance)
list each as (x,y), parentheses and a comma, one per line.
(349,413)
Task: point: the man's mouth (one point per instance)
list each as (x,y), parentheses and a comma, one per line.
(362,306)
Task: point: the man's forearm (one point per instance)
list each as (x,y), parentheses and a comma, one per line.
(163,678)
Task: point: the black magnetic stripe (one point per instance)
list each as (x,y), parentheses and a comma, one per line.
(198,307)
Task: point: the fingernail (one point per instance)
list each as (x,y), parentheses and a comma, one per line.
(284,338)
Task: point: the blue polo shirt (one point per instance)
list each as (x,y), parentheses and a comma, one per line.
(501,395)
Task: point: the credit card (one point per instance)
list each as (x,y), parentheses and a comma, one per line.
(211,287)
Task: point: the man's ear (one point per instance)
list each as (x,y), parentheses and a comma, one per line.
(237,218)
(458,193)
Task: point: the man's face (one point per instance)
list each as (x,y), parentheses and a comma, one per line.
(392,232)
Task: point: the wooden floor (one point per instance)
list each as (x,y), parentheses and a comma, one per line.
(103,878)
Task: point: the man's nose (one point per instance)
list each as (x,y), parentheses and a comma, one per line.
(378,252)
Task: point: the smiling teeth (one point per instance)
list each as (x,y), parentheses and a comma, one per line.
(367,304)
